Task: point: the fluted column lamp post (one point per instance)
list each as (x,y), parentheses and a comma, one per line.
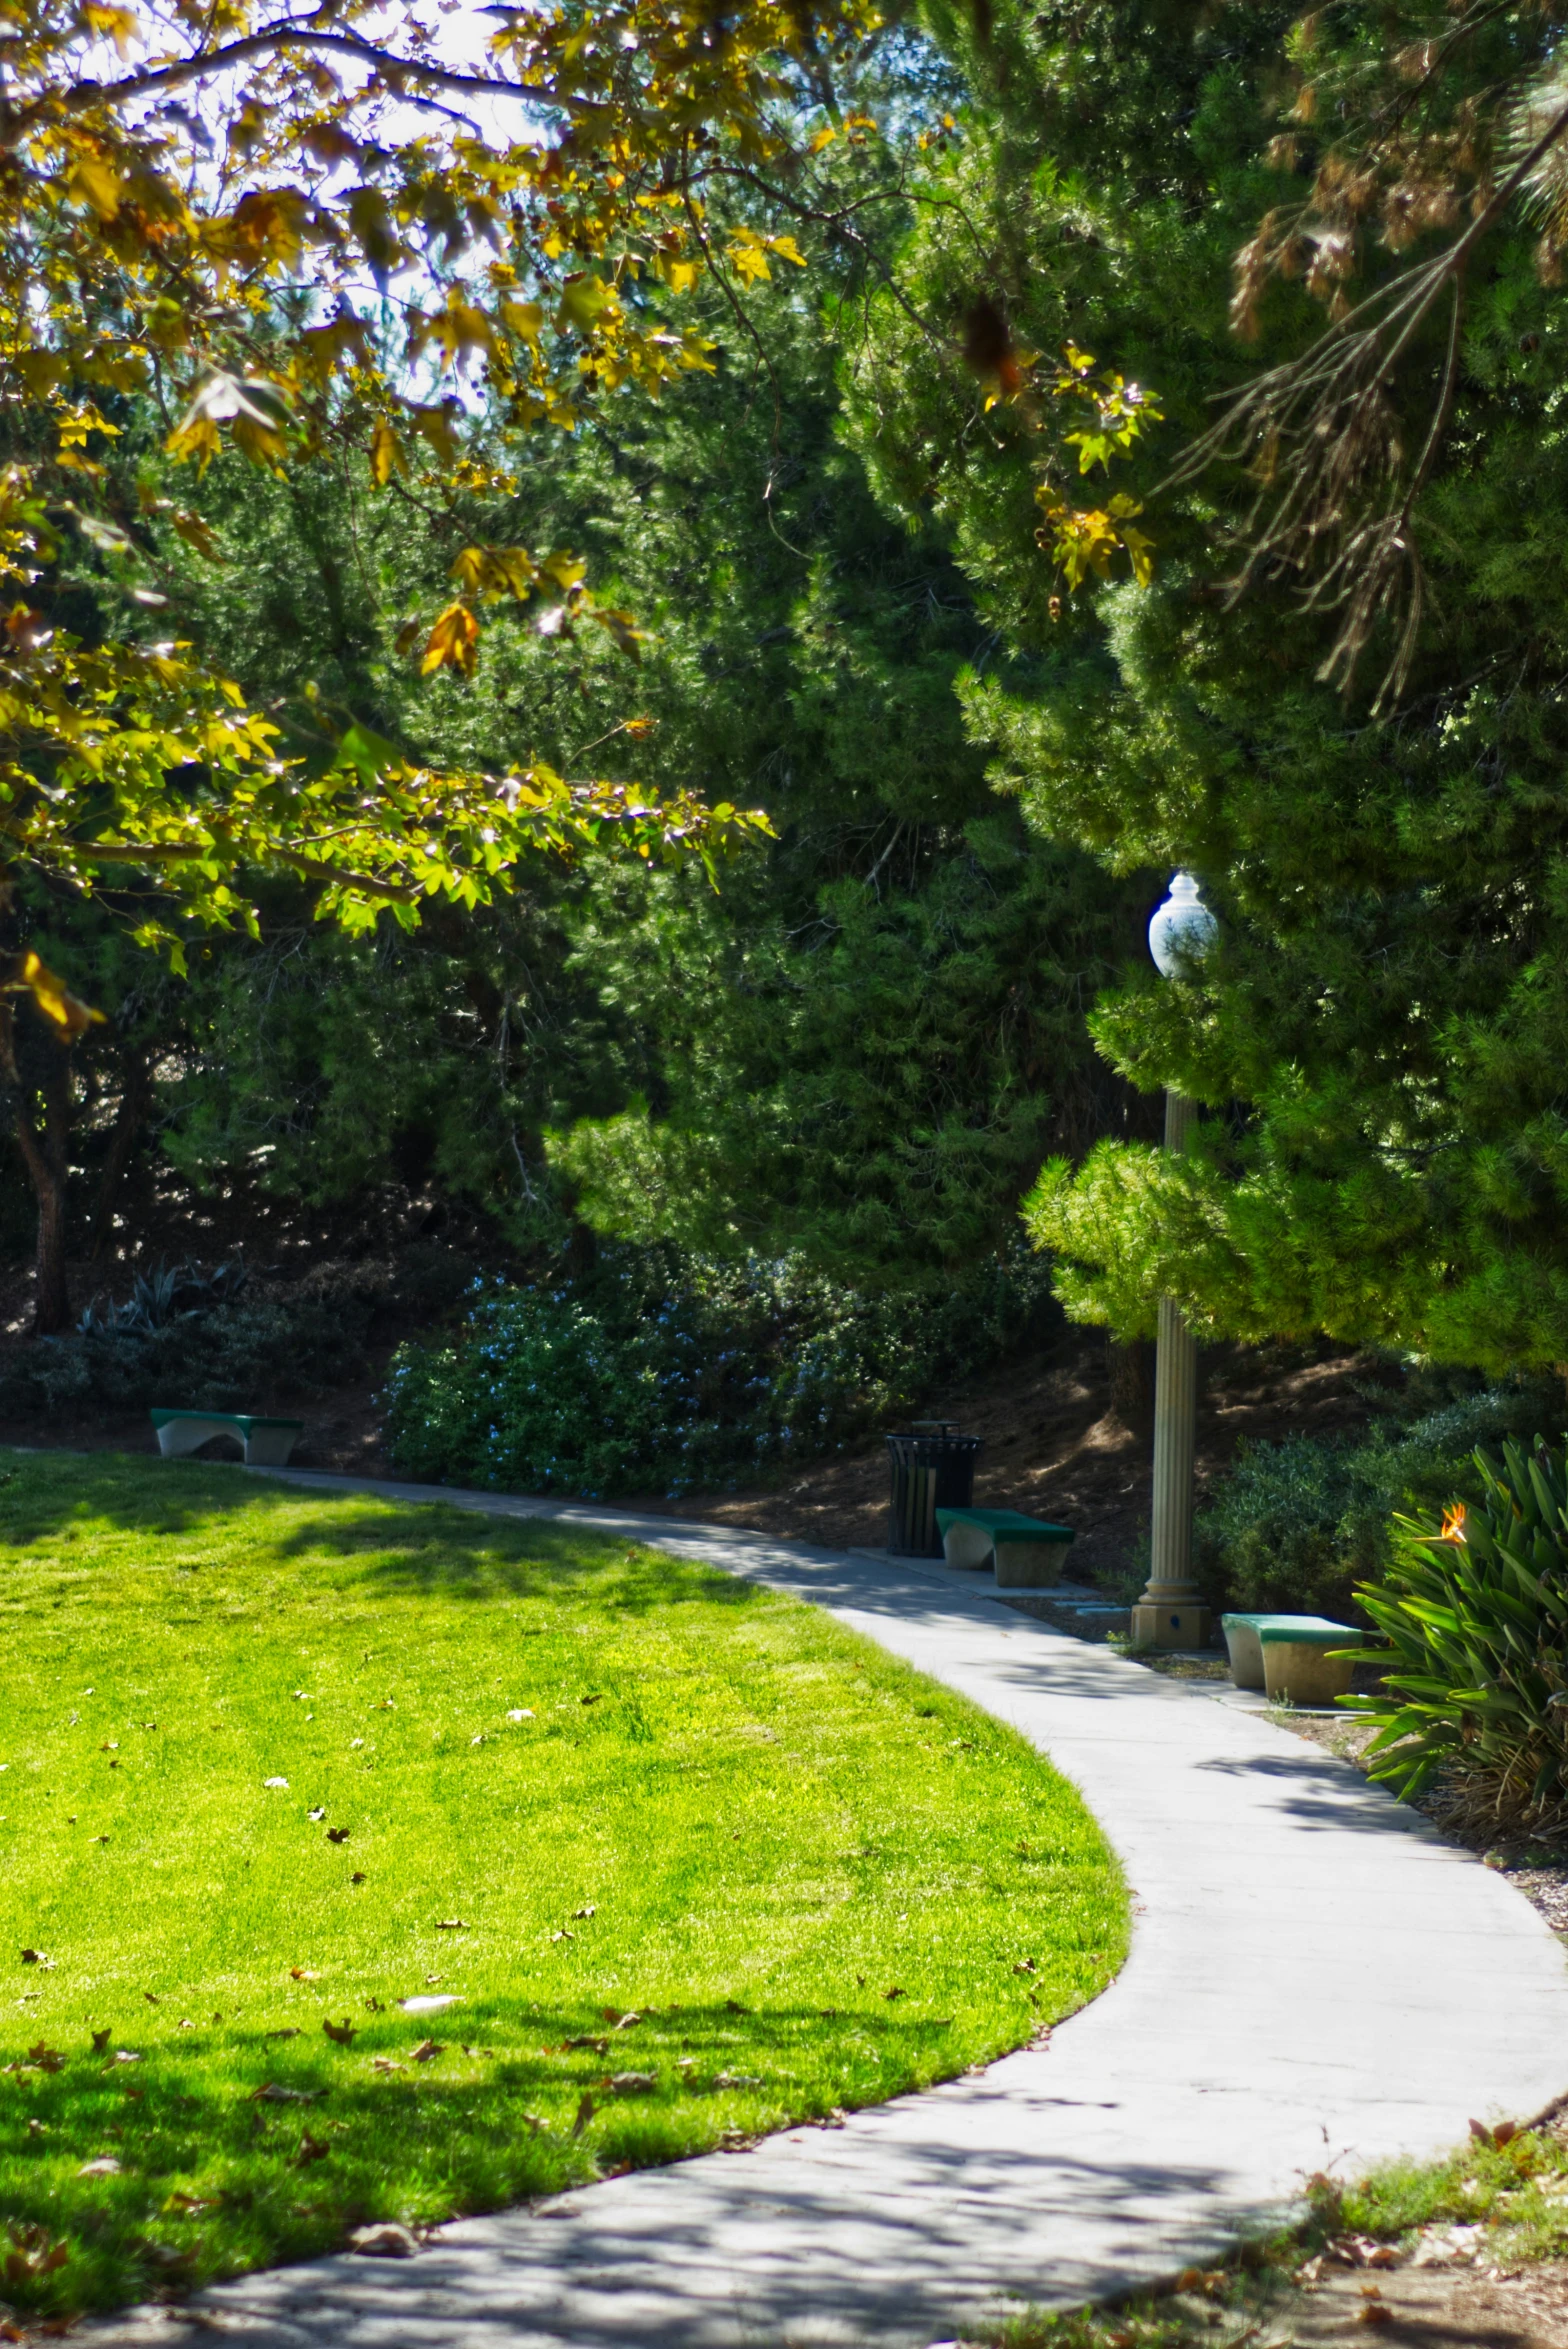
(1170,1613)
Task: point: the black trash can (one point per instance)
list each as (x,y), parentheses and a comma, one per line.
(933,1467)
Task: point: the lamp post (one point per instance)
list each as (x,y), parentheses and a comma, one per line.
(1170,1614)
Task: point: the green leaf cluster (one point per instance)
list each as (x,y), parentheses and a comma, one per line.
(1476,1616)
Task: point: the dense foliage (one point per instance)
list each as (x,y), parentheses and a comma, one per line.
(663,1372)
(1300,1523)
(857,1048)
(1379,1034)
(1475,1672)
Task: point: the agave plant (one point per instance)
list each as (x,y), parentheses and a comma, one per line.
(1475,1675)
(178,1292)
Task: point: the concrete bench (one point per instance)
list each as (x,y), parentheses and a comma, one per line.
(1020,1547)
(1290,1656)
(266,1443)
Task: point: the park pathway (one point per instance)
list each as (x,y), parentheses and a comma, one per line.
(1316,1980)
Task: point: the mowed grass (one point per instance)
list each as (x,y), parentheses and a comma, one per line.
(734,1868)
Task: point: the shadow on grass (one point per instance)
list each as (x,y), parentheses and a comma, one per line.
(406,1546)
(217,2157)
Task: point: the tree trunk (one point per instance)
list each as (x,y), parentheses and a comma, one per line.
(44,1154)
(134,1097)
(1131,1371)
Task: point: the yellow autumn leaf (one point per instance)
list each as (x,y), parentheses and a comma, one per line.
(453,643)
(60,1007)
(94,182)
(386,458)
(787,250)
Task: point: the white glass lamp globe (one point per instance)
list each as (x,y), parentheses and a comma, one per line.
(1181,930)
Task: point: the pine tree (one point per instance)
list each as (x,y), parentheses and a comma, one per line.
(1378,1038)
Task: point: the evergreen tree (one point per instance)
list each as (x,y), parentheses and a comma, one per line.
(860,1045)
(1379,1034)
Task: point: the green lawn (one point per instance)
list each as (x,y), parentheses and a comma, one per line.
(696,1861)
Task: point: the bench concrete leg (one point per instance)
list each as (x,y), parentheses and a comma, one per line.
(269,1447)
(1310,1677)
(1246,1655)
(1026,1565)
(182,1436)
(967,1545)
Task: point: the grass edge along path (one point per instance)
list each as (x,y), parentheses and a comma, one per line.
(690,1860)
(1477,2221)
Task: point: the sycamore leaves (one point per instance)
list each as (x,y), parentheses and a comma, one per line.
(555,592)
(747,254)
(1079,539)
(158,770)
(453,642)
(284,226)
(66,1013)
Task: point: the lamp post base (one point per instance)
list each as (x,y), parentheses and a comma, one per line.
(1177,1622)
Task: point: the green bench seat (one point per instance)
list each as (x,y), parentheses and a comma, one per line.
(1292,1657)
(266,1443)
(1019,1547)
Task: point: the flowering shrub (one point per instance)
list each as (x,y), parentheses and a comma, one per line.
(664,1371)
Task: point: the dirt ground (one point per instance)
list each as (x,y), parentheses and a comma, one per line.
(1056,1447)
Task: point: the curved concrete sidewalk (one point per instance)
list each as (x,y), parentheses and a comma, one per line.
(1315,1979)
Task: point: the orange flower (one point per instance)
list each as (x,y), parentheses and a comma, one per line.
(1453,1523)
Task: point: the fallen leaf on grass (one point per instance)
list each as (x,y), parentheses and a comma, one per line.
(613,2014)
(337,1835)
(521,1713)
(588,1909)
(319,1812)
(384,2242)
(561,1934)
(46,2058)
(303,1974)
(289,2031)
(358,1876)
(590,1700)
(895,1992)
(310,2149)
(732,2006)
(384,2063)
(341,2034)
(36,1957)
(478,1739)
(152,1998)
(1026,1966)
(633,2083)
(1361,2251)
(32,2254)
(126,2055)
(104,2167)
(588,2039)
(452,1925)
(271,2093)
(283,1782)
(584,2116)
(430,2006)
(183,2205)
(735,2080)
(427,2050)
(1504,2133)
